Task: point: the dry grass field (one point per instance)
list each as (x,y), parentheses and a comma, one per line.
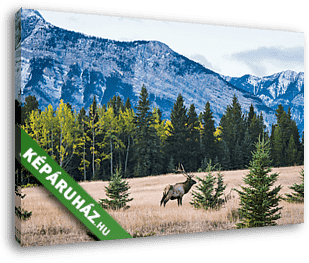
(51,223)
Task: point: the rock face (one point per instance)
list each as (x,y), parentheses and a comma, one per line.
(53,63)
(286,88)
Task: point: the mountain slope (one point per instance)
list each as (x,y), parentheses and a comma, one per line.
(60,64)
(286,88)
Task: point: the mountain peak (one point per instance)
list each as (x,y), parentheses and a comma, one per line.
(27,13)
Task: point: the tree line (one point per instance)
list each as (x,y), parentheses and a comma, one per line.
(91,143)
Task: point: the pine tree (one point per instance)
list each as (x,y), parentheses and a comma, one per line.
(176,142)
(117,193)
(193,140)
(301,152)
(208,196)
(277,152)
(298,195)
(147,142)
(128,104)
(258,202)
(282,133)
(233,129)
(291,152)
(247,148)
(171,165)
(207,134)
(30,104)
(225,161)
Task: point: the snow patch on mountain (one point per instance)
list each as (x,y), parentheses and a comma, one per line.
(60,64)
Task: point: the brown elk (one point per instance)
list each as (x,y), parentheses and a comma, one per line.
(177,191)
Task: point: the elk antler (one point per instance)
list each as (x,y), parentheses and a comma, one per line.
(184,172)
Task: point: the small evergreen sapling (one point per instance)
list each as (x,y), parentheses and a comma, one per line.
(207,196)
(117,193)
(297,196)
(259,201)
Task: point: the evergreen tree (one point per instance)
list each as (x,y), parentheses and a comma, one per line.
(128,104)
(176,143)
(207,135)
(233,129)
(238,156)
(282,133)
(117,193)
(251,115)
(298,195)
(171,165)
(30,104)
(117,104)
(259,200)
(193,140)
(301,152)
(291,152)
(147,143)
(247,148)
(225,161)
(204,164)
(93,110)
(208,196)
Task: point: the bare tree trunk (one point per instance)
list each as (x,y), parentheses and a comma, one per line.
(93,154)
(60,145)
(111,156)
(127,156)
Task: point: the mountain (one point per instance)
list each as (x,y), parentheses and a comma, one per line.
(286,88)
(53,63)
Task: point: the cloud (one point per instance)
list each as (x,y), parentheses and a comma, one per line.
(277,56)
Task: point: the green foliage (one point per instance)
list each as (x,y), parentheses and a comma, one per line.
(29,185)
(31,104)
(208,140)
(193,140)
(20,212)
(259,200)
(210,191)
(233,129)
(139,234)
(298,195)
(204,165)
(88,145)
(117,193)
(148,148)
(176,142)
(171,165)
(286,148)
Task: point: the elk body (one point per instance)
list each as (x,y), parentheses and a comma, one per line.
(177,191)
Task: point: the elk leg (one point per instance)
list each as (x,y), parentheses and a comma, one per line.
(162,200)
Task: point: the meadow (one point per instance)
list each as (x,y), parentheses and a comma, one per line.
(51,223)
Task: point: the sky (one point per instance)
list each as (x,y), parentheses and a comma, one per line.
(231,51)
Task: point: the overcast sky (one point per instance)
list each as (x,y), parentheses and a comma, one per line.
(230,51)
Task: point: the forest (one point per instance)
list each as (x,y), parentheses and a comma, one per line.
(92,143)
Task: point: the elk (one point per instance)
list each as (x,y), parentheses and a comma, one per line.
(177,191)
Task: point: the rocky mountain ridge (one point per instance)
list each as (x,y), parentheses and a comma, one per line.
(286,88)
(53,63)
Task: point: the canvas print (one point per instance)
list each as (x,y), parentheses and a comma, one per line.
(170,127)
